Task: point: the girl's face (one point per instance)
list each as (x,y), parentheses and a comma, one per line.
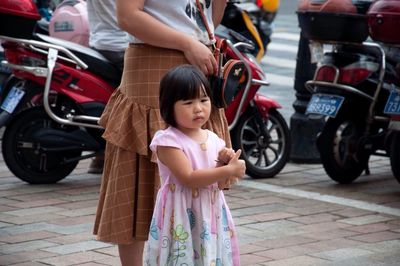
(193,113)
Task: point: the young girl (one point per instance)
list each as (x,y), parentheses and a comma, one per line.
(191,223)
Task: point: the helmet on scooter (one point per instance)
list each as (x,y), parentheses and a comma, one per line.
(268,5)
(70,22)
(328,6)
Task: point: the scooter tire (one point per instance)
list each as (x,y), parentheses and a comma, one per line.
(255,149)
(395,155)
(23,156)
(337,157)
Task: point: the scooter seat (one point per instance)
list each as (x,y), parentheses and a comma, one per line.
(96,62)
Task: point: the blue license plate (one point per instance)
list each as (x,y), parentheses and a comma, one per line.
(392,106)
(324,104)
(13,98)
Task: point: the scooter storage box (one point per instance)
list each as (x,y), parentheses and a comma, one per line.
(18,18)
(333,27)
(332,20)
(384,21)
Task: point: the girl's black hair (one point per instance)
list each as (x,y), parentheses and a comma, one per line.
(183,82)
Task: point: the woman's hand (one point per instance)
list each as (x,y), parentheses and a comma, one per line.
(201,56)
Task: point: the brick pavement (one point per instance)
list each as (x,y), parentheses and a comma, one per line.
(299,217)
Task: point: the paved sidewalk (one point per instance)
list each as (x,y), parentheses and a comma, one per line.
(300,217)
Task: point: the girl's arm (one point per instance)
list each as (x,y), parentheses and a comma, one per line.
(143,26)
(218,8)
(179,165)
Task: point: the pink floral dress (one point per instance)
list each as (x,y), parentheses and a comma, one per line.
(190,226)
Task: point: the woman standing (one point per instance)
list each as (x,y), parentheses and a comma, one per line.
(166,34)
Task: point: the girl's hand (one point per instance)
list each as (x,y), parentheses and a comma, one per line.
(201,56)
(224,156)
(238,166)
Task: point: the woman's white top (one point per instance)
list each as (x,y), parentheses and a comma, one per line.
(182,15)
(105,33)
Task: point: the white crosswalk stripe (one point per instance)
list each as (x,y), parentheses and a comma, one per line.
(280,80)
(274,63)
(282,47)
(278,62)
(279,65)
(286,36)
(359,204)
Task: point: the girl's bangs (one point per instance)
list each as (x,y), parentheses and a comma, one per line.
(194,88)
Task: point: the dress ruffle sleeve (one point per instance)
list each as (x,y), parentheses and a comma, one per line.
(165,138)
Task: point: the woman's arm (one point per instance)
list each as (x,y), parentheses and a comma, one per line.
(143,26)
(179,165)
(218,8)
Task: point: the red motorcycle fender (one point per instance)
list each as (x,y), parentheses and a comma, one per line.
(264,103)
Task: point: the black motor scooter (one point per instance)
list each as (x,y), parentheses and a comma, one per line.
(349,89)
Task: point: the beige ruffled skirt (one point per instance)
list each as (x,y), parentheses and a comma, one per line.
(130,178)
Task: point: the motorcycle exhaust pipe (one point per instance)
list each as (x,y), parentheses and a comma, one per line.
(54,140)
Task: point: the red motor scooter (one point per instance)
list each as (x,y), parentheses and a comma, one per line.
(58,90)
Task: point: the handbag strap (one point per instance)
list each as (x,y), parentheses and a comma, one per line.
(219,45)
(203,18)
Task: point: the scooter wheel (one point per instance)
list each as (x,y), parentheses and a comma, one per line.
(395,155)
(337,145)
(25,157)
(264,157)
